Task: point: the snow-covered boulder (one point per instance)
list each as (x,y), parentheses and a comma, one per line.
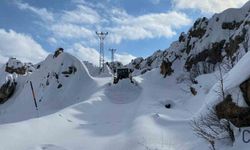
(15,66)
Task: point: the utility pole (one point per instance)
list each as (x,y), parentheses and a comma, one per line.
(33,94)
(101,36)
(112,50)
(34,98)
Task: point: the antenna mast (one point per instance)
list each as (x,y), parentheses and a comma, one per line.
(101,36)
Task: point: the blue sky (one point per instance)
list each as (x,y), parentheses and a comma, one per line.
(30,29)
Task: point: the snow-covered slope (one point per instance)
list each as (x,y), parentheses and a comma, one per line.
(103,116)
(95,71)
(80,109)
(58,82)
(113,117)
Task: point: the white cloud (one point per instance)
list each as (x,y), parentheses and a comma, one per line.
(82,14)
(43,13)
(52,41)
(84,20)
(124,58)
(208,6)
(85,53)
(152,25)
(71,31)
(21,46)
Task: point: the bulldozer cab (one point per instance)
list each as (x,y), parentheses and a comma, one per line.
(122,73)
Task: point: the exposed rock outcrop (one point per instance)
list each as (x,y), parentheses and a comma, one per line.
(71,70)
(7,90)
(166,68)
(212,56)
(193,91)
(58,52)
(199,28)
(245,88)
(227,109)
(231,25)
(15,66)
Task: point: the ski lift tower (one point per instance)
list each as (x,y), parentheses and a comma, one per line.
(101,36)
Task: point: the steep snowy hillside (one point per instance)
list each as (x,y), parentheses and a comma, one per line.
(224,38)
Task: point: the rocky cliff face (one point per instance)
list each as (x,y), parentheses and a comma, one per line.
(223,39)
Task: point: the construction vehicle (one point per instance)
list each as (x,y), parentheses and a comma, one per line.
(122,73)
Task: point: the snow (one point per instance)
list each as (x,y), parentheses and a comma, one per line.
(95,71)
(90,113)
(238,73)
(120,116)
(13,62)
(79,108)
(124,92)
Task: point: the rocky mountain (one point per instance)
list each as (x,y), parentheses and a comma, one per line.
(222,39)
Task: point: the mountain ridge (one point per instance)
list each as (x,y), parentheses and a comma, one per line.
(231,26)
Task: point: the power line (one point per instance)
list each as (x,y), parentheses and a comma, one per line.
(101,36)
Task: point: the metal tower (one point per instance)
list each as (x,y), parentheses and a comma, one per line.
(112,50)
(101,36)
